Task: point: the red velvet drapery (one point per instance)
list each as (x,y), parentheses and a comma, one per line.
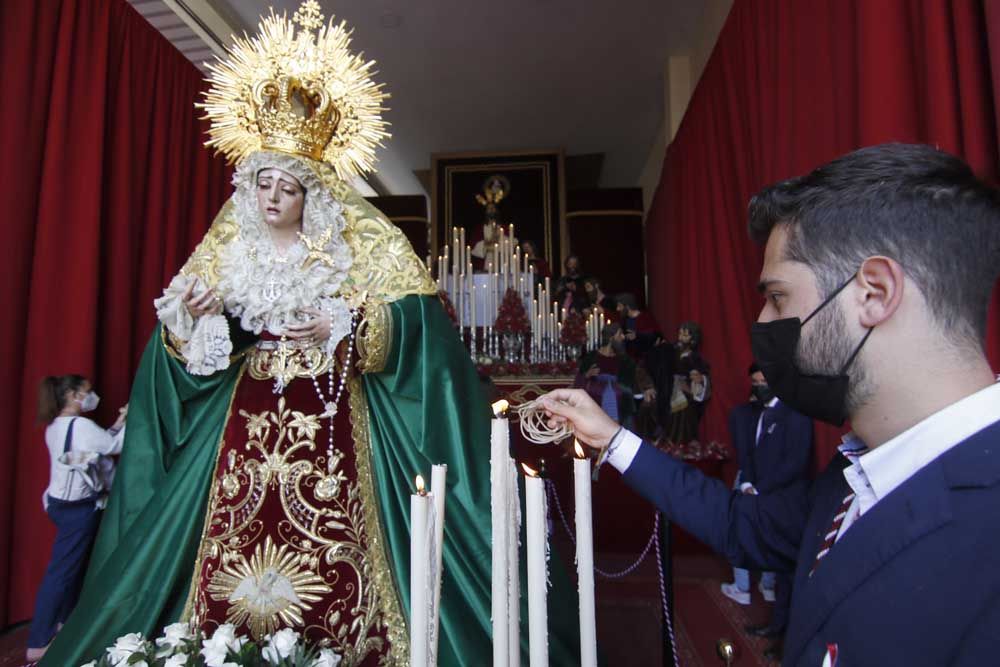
(791,85)
(107,190)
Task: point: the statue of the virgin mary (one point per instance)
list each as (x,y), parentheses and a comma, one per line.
(302,373)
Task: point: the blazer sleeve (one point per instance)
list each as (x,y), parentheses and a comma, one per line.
(757,532)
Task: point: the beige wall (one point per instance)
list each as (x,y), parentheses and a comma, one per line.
(681,73)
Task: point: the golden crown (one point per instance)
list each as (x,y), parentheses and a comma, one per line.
(299,91)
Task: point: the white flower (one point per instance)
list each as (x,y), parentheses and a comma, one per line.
(173,636)
(125,646)
(326,658)
(280,645)
(92,663)
(217,648)
(285,640)
(225,635)
(177,660)
(215,656)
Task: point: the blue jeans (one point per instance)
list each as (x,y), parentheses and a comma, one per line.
(741,578)
(76,526)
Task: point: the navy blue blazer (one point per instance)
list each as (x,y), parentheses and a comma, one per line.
(784,452)
(915,581)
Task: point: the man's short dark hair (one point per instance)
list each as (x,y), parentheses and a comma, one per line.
(913,203)
(754,368)
(628,300)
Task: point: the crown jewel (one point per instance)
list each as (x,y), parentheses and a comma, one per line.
(299,91)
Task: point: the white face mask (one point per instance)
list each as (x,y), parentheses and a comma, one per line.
(89,402)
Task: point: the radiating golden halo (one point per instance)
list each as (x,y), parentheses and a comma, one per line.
(296,67)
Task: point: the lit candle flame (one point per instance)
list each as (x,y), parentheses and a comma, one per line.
(420,485)
(500,408)
(529,471)
(580,454)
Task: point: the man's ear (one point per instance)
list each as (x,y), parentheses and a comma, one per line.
(879,290)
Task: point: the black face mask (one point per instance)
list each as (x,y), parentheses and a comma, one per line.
(763,393)
(822,397)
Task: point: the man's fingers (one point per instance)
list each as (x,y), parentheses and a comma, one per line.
(571,396)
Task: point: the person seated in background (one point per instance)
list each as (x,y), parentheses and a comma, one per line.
(542,271)
(639,325)
(569,289)
(612,379)
(596,298)
(80,476)
(774,446)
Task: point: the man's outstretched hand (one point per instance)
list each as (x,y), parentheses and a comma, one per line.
(591,425)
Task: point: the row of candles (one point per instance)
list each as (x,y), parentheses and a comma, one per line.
(426,534)
(509,268)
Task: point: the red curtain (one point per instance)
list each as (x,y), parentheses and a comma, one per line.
(107,190)
(791,85)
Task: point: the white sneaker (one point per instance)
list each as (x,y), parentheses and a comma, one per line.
(735,594)
(768,593)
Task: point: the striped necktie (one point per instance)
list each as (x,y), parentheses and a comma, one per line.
(831,535)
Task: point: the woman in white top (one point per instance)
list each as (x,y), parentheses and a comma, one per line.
(79,478)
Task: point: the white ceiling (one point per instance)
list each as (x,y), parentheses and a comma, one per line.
(470,75)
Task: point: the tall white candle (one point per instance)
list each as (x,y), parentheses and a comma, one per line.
(472,303)
(585,559)
(420,506)
(513,568)
(499,510)
(538,623)
(462,246)
(487,299)
(439,475)
(460,304)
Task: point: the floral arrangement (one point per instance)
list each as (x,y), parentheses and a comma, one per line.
(511,316)
(695,450)
(574,330)
(449,307)
(501,368)
(181,646)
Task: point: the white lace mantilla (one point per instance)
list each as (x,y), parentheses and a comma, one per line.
(263,289)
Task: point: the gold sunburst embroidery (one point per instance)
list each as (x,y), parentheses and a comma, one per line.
(271,590)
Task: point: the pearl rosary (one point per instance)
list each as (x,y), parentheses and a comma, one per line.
(330,404)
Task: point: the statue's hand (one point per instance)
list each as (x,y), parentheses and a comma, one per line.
(206,303)
(315,330)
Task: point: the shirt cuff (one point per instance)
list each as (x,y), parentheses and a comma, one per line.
(622,450)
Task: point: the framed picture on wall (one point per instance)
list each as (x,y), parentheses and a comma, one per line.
(534,197)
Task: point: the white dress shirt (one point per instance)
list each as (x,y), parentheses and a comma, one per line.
(745,486)
(64,482)
(876,473)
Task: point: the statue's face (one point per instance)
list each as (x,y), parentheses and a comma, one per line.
(280,197)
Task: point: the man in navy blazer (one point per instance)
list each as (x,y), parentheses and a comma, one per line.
(774,446)
(877,278)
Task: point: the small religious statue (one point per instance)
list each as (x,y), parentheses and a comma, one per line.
(495,189)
